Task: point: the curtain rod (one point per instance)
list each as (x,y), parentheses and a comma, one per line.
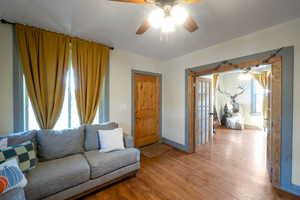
(4,21)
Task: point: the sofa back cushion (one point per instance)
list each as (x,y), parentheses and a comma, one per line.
(53,144)
(91,134)
(19,138)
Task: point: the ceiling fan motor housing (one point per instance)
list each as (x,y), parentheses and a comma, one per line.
(163,3)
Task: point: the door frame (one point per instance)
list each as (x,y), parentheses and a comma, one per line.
(133,72)
(276,114)
(285,148)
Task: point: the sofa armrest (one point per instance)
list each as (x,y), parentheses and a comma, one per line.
(128,141)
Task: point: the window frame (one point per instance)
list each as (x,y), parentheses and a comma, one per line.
(254,98)
(102,108)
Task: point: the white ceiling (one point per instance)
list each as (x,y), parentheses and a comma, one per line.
(115,24)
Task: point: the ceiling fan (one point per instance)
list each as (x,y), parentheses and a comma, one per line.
(168,13)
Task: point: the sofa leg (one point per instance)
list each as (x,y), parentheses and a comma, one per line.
(134,173)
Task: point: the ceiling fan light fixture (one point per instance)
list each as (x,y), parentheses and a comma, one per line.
(179,14)
(156,18)
(168,25)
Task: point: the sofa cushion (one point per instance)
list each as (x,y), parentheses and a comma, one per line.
(56,175)
(104,163)
(54,144)
(21,137)
(91,134)
(128,140)
(15,194)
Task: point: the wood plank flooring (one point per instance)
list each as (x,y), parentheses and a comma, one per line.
(232,167)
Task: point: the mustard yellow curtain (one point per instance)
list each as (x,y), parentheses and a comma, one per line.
(90,61)
(262,78)
(215,78)
(44,56)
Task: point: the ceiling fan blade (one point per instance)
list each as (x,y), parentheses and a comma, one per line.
(130,1)
(143,28)
(190,24)
(190,1)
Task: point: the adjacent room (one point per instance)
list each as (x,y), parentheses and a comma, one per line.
(233,100)
(233,112)
(149,100)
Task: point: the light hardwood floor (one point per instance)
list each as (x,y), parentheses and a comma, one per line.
(231,168)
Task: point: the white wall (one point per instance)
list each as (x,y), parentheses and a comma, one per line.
(174,81)
(121,64)
(6,95)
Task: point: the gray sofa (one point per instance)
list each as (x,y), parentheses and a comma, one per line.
(70,164)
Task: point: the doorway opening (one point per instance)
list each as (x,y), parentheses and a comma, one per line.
(234,99)
(232,115)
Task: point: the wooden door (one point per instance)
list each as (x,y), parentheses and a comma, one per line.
(203,108)
(146,109)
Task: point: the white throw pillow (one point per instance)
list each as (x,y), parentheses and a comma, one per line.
(111,140)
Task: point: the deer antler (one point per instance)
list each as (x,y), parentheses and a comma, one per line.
(243,89)
(224,92)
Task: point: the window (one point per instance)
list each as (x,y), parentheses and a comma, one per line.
(257,96)
(69,117)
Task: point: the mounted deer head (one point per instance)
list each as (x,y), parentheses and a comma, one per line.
(234,96)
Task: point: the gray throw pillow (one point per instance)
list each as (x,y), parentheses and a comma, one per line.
(19,138)
(53,144)
(91,134)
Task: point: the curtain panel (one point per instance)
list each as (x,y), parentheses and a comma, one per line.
(44,56)
(217,115)
(90,62)
(262,79)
